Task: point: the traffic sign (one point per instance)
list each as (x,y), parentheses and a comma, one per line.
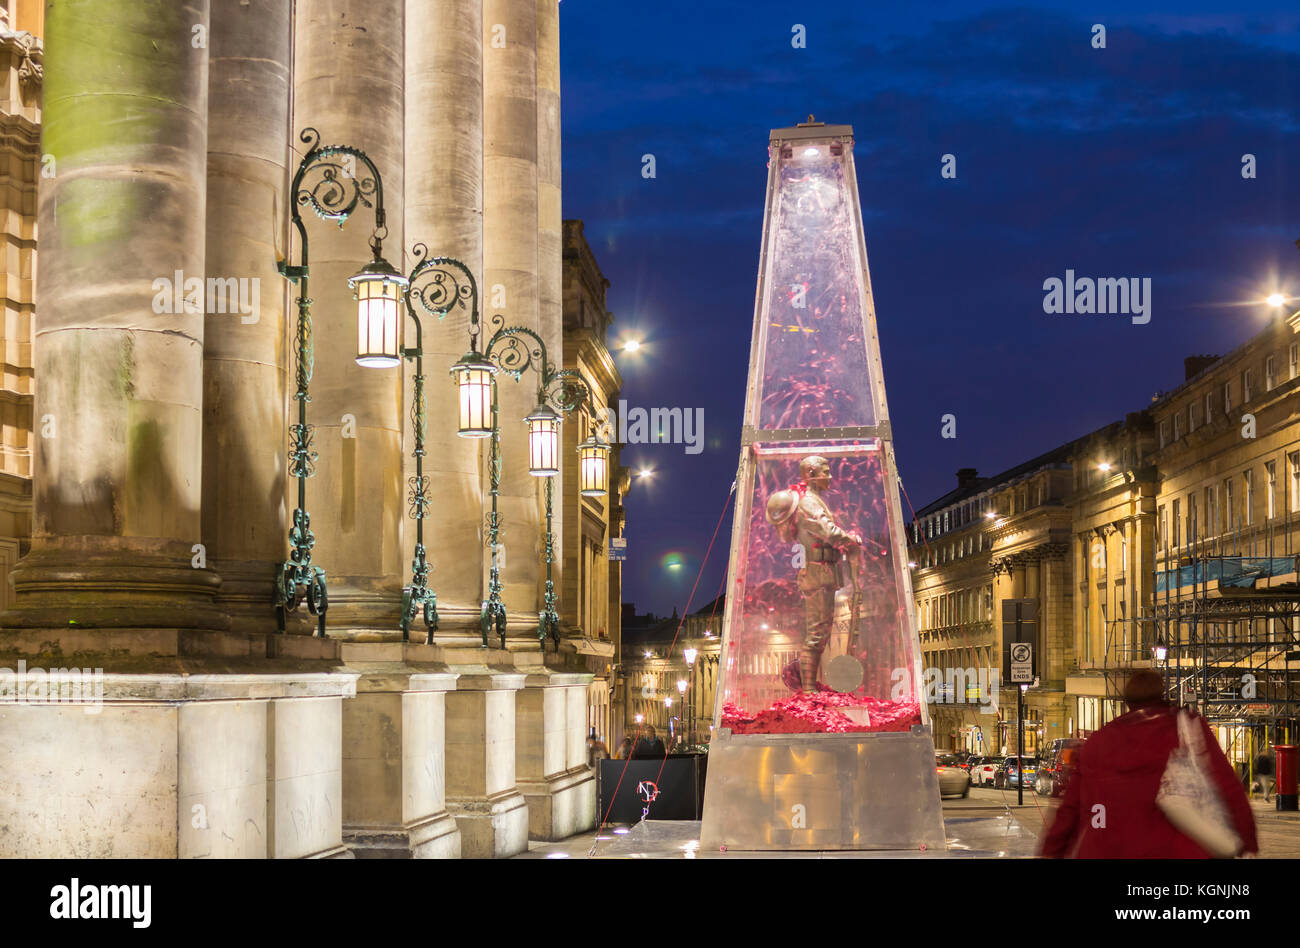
(1022,663)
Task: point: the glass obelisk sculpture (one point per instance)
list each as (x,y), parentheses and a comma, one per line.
(822,738)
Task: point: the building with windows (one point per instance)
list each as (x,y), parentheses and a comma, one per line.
(1224,609)
(1113,553)
(662,655)
(1168,540)
(592,589)
(21,165)
(988,541)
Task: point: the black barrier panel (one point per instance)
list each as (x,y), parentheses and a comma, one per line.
(681,788)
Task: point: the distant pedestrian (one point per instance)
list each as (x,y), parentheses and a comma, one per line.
(649,745)
(624,749)
(1264,776)
(596,749)
(1110,809)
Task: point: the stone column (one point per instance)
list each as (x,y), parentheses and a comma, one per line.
(394,761)
(348,84)
(492,815)
(551,754)
(119,348)
(244,354)
(550,247)
(510,233)
(444,210)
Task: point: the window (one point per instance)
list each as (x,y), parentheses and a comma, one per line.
(1245,386)
(1211,513)
(1164,433)
(1123,551)
(1229,509)
(1270,373)
(1248,495)
(1294,460)
(1227,398)
(1193,528)
(1178,424)
(1177,525)
(1162,525)
(1270,472)
(1209,407)
(1191,417)
(1293,358)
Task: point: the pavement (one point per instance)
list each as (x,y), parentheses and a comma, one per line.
(989,823)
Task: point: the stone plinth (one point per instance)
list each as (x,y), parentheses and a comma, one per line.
(551,754)
(481,790)
(170,765)
(394,760)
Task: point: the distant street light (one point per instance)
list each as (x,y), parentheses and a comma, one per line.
(632,345)
(1103,466)
(1275,300)
(689,654)
(645,472)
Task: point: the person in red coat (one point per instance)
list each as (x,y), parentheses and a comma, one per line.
(1109,809)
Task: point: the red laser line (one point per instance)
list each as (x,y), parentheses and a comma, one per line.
(627,763)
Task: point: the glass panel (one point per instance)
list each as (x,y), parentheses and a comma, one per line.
(813,361)
(795,584)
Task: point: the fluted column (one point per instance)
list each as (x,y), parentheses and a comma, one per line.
(444,209)
(550,237)
(348,84)
(510,231)
(244,344)
(118,452)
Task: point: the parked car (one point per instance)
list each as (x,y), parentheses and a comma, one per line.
(1057,766)
(953,780)
(1007,775)
(982,770)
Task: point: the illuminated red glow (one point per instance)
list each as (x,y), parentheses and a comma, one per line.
(807,713)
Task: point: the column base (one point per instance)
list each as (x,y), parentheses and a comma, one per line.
(561,806)
(493,828)
(435,838)
(173,765)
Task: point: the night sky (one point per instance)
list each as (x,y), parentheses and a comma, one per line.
(1116,162)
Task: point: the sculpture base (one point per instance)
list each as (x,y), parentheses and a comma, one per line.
(822,792)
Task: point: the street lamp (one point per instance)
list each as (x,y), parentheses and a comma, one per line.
(437,284)
(513,350)
(689,654)
(325,182)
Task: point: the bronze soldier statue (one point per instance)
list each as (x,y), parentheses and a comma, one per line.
(804,517)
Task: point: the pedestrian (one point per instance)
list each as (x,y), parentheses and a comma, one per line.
(596,749)
(649,745)
(1110,811)
(624,749)
(1264,774)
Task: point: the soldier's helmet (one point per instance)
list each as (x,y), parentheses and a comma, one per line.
(781,508)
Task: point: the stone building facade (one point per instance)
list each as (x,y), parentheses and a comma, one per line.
(21,67)
(1189,507)
(992,540)
(593,588)
(159,512)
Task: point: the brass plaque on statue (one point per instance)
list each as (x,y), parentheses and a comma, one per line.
(844,673)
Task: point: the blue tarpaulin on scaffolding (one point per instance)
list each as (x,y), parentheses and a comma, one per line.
(1229,571)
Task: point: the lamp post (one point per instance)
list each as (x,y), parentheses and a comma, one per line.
(513,350)
(325,181)
(690,653)
(438,285)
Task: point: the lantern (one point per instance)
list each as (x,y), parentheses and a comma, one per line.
(473,377)
(543,441)
(380,290)
(593,467)
(689,654)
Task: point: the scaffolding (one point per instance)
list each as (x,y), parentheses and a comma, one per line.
(1228,627)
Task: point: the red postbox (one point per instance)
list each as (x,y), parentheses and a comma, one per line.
(1288,787)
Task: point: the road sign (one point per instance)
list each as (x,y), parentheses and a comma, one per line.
(618,548)
(1022,663)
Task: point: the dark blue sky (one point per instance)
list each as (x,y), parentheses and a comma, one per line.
(1123,161)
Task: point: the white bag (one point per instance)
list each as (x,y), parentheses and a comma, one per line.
(1188,798)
